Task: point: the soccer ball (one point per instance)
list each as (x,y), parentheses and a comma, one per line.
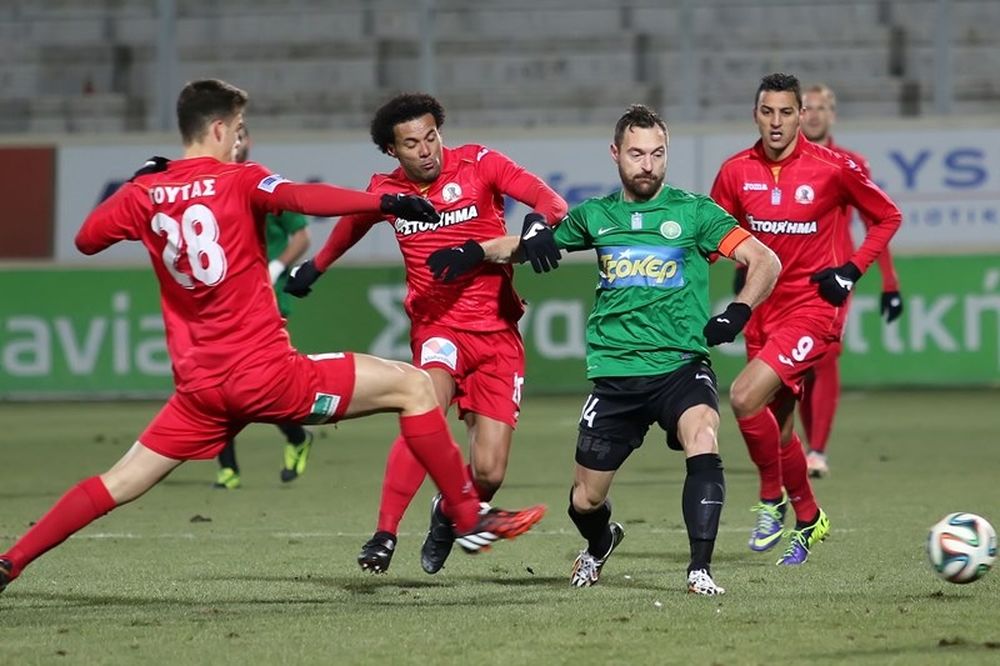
(962,547)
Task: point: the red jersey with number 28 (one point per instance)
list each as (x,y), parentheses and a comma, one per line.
(202,222)
(469,195)
(796,208)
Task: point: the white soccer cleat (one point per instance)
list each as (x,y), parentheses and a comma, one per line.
(700,582)
(587,568)
(816,465)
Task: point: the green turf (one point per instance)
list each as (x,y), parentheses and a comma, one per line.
(272,577)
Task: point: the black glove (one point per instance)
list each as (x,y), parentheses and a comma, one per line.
(739,279)
(892,306)
(409,207)
(154,164)
(726,326)
(449,263)
(835,284)
(300,279)
(539,243)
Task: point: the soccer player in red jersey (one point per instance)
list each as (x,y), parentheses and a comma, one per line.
(464,332)
(202,220)
(790,194)
(821,390)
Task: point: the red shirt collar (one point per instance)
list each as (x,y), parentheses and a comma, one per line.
(758,149)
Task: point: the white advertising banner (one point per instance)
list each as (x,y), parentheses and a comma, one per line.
(947,182)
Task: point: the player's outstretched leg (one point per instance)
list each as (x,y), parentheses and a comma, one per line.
(702,500)
(812,524)
(137,471)
(590,511)
(296,454)
(381,385)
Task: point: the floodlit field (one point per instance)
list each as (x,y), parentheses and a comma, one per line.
(266,574)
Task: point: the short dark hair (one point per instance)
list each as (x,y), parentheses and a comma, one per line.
(637,115)
(400,109)
(202,102)
(779,82)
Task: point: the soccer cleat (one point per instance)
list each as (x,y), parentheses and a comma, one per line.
(376,554)
(801,542)
(296,457)
(6,575)
(700,582)
(439,540)
(227,478)
(587,568)
(496,524)
(770,524)
(816,464)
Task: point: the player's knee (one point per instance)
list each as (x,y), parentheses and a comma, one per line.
(705,440)
(417,389)
(488,477)
(741,399)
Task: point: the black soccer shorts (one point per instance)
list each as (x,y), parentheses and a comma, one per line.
(618,412)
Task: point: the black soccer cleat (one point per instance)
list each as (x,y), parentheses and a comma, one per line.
(440,539)
(376,554)
(6,573)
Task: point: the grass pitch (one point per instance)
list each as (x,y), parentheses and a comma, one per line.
(266,574)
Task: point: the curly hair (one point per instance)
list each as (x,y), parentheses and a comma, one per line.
(779,82)
(400,109)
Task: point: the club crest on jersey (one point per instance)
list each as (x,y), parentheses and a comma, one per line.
(636,221)
(783,227)
(641,266)
(439,350)
(670,230)
(451,192)
(804,194)
(448,218)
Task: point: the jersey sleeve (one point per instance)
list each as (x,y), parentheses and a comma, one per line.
(515,181)
(572,234)
(346,233)
(718,231)
(875,207)
(117,218)
(271,193)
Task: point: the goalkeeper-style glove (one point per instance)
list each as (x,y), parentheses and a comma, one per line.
(726,326)
(539,243)
(450,263)
(892,306)
(154,164)
(409,207)
(301,278)
(835,284)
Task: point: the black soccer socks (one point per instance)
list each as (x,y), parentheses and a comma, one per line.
(593,526)
(702,499)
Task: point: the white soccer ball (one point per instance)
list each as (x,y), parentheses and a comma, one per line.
(962,547)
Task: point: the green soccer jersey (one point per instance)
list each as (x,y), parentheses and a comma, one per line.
(652,294)
(277,230)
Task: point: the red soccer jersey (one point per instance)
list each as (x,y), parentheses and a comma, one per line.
(202,222)
(469,195)
(795,207)
(890,282)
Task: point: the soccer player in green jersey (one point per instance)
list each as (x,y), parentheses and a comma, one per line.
(647,336)
(287,236)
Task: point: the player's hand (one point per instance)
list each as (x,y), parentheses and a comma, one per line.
(154,164)
(892,306)
(450,263)
(301,278)
(739,279)
(726,326)
(835,284)
(539,243)
(409,207)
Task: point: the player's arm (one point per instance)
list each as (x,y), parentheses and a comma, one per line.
(117,218)
(515,181)
(836,282)
(346,233)
(718,233)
